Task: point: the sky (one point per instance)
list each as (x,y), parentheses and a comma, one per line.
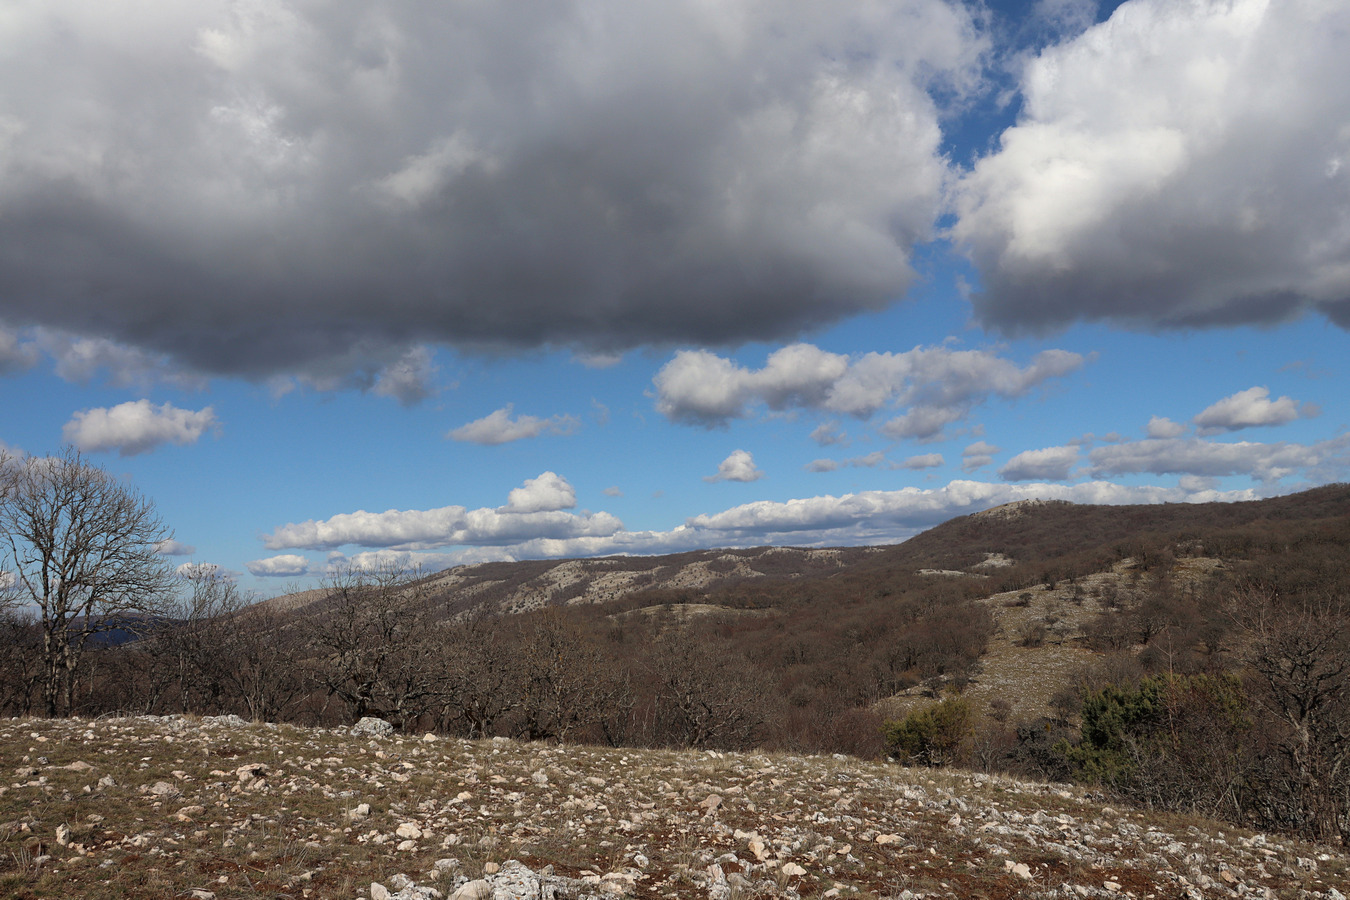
(345,283)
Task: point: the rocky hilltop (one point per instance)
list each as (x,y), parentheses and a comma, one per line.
(220,808)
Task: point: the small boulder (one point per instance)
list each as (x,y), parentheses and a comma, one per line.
(369,725)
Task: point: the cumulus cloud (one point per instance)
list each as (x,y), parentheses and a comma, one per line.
(534,510)
(500,428)
(547,493)
(938,385)
(1180,164)
(1053,463)
(739,466)
(1247,409)
(306,179)
(137,426)
(1162,427)
(1327,460)
(409,380)
(174,547)
(287,565)
(613,491)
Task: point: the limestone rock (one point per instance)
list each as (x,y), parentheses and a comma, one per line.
(369,725)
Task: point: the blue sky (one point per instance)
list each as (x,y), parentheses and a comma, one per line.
(334,284)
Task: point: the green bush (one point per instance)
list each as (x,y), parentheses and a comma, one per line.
(939,735)
(1134,735)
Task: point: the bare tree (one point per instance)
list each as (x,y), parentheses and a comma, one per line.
(567,685)
(189,656)
(480,679)
(1298,649)
(370,643)
(81,547)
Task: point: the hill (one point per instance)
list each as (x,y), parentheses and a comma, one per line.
(215,808)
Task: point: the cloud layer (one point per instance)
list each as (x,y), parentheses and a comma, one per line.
(1180,164)
(259,188)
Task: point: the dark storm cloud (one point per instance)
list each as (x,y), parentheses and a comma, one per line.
(261,187)
(1180,165)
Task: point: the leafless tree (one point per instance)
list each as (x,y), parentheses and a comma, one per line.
(1299,651)
(257,663)
(188,657)
(20,662)
(370,643)
(568,683)
(710,695)
(479,677)
(81,548)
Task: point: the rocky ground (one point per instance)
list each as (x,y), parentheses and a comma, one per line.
(176,807)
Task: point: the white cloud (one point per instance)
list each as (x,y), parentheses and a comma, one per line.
(409,380)
(137,427)
(822,465)
(1181,164)
(287,565)
(499,428)
(174,547)
(1246,409)
(1162,427)
(1052,463)
(429,529)
(739,466)
(1327,460)
(612,491)
(547,493)
(939,384)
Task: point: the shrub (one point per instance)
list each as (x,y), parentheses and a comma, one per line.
(938,735)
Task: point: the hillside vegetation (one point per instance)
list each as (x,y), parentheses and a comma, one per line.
(1187,657)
